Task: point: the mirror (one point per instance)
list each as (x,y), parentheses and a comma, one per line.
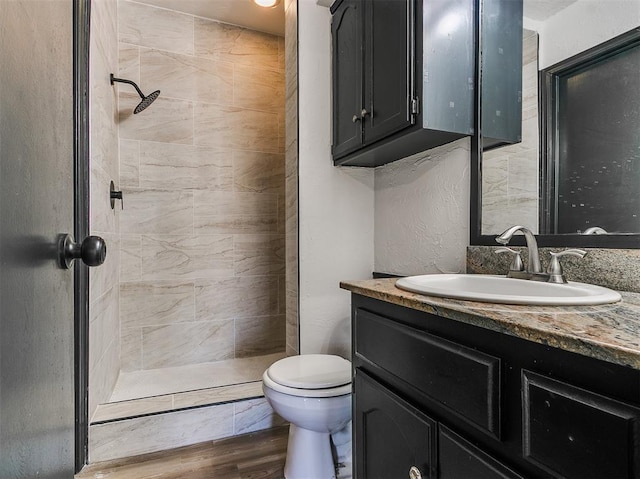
(507,189)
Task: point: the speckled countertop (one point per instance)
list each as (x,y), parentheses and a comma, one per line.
(610,332)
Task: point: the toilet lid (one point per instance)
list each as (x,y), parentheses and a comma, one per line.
(311,371)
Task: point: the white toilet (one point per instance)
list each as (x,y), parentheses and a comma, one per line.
(313,393)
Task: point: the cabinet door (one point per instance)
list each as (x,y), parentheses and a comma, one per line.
(391,437)
(388,67)
(346,32)
(501,72)
(458,459)
(574,433)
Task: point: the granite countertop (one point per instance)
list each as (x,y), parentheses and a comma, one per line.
(610,332)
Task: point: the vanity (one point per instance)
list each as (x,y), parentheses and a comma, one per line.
(447,388)
(461,389)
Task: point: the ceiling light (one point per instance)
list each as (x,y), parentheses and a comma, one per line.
(266,3)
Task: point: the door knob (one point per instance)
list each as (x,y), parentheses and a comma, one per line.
(92,251)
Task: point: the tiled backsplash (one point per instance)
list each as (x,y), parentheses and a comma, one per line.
(617,269)
(291,174)
(202,172)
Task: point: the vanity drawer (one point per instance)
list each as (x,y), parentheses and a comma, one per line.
(464,380)
(574,433)
(458,458)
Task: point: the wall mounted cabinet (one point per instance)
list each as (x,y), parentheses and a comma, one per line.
(404,75)
(373,62)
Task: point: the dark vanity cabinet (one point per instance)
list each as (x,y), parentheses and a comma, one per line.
(438,398)
(403,77)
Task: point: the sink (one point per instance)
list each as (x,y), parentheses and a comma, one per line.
(500,289)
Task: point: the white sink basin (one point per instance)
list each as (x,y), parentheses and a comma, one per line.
(500,289)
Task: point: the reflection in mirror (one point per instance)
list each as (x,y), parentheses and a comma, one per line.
(591,166)
(510,174)
(510,186)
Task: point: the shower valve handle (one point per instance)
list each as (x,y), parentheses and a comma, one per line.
(115,195)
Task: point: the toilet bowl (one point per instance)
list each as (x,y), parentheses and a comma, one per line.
(313,393)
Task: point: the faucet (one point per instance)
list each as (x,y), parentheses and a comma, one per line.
(534,269)
(533,260)
(595,230)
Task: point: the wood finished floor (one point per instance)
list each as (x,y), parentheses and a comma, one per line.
(251,456)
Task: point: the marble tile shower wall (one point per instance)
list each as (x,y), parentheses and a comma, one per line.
(104,326)
(202,171)
(510,174)
(291,174)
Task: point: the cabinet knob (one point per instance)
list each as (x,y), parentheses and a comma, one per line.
(355,118)
(364,113)
(414,473)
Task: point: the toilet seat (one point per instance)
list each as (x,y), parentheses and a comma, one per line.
(310,375)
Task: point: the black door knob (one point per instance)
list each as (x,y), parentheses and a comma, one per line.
(92,251)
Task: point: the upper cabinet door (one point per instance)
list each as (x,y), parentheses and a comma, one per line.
(346,30)
(501,72)
(449,53)
(388,67)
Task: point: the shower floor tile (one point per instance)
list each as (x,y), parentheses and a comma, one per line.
(164,381)
(141,393)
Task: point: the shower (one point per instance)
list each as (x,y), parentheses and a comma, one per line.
(146,100)
(192,310)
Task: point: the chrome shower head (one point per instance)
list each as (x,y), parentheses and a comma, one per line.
(146,100)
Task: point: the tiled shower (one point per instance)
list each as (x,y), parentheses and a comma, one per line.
(191,307)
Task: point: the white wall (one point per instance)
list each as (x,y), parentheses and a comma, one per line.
(422,212)
(336,204)
(420,205)
(583,25)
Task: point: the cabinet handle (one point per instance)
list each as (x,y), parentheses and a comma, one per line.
(364,113)
(414,473)
(355,119)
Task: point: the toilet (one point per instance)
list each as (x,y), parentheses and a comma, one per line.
(313,393)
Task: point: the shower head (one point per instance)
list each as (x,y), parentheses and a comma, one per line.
(146,100)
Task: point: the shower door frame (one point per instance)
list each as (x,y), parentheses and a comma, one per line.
(81,26)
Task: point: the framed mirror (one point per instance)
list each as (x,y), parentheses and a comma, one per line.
(578,164)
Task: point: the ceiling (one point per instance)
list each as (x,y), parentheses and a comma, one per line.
(540,10)
(237,12)
(271,20)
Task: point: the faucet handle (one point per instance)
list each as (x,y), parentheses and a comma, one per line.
(516,264)
(555,268)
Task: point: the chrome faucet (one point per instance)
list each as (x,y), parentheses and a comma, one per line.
(533,259)
(534,269)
